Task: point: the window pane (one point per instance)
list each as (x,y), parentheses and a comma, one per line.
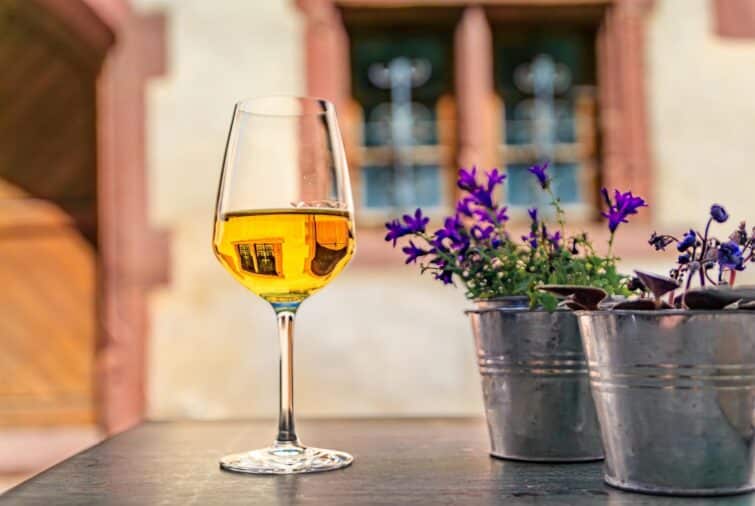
(398,80)
(379,190)
(545,77)
(522,189)
(427,186)
(378,187)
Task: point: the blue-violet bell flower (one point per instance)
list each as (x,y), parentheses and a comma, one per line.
(718,213)
(412,225)
(462,207)
(494,179)
(467,180)
(624,204)
(416,224)
(730,256)
(539,172)
(445,276)
(531,239)
(555,240)
(689,240)
(413,252)
(480,233)
(395,231)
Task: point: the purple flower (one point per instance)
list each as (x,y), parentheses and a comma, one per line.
(684,258)
(462,207)
(395,231)
(413,252)
(480,233)
(494,179)
(531,239)
(482,215)
(614,219)
(479,194)
(413,225)
(730,256)
(445,276)
(452,228)
(689,240)
(416,224)
(486,215)
(483,197)
(625,205)
(718,213)
(467,180)
(628,203)
(539,172)
(555,240)
(438,262)
(533,214)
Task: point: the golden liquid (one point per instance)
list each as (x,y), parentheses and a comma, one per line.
(284,255)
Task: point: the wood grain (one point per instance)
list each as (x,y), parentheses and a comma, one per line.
(409,461)
(47,209)
(47,317)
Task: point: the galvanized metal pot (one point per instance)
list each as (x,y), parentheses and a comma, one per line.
(535,384)
(675,394)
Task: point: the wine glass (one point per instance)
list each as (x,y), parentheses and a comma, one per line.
(284,228)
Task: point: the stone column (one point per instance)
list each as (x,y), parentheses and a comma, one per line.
(326,51)
(133,256)
(473,53)
(622,81)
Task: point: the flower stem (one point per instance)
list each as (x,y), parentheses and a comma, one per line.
(559,211)
(686,288)
(610,245)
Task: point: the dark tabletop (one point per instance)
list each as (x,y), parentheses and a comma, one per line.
(411,461)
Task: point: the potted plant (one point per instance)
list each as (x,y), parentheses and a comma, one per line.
(673,372)
(534,375)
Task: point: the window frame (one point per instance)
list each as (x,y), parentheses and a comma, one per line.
(625,160)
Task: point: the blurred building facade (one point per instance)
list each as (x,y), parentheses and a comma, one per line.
(644,102)
(115,121)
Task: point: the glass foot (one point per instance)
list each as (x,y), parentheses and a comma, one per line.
(286,459)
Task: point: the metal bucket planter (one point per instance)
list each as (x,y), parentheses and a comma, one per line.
(535,384)
(675,394)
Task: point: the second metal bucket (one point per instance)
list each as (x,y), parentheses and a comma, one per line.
(675,394)
(535,385)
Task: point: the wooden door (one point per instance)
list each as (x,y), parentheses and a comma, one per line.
(47,220)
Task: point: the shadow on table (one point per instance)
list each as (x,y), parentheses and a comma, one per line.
(581,484)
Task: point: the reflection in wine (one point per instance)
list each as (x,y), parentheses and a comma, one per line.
(284,255)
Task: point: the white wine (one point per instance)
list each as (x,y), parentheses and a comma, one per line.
(284,255)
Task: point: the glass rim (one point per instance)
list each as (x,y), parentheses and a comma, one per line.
(284,106)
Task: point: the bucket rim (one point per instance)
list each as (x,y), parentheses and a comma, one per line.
(662,312)
(510,310)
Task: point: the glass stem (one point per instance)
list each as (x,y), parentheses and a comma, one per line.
(286,428)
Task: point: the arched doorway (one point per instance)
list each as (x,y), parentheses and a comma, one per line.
(73,227)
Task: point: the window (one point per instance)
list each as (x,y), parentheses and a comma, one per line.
(260,258)
(604,43)
(402,84)
(265,259)
(545,79)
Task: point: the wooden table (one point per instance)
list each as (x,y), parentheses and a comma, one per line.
(410,461)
